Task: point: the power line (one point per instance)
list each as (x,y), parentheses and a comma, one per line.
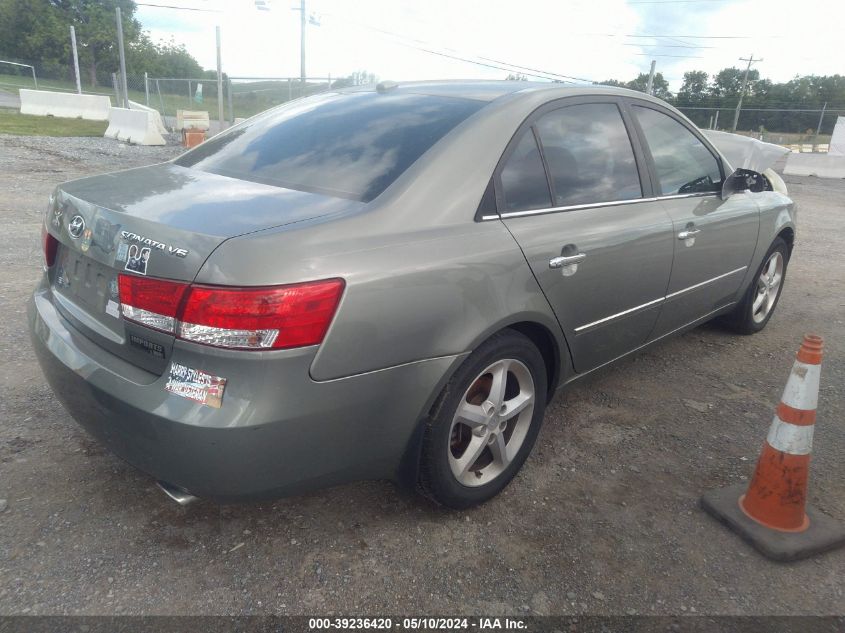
(517,66)
(672,1)
(666,45)
(690,37)
(471,61)
(678,56)
(170,6)
(425,47)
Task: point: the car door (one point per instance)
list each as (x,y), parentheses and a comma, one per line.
(571,190)
(714,238)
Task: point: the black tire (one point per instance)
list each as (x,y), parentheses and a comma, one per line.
(741,320)
(436,479)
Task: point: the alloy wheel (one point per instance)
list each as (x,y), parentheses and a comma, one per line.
(768,287)
(491,422)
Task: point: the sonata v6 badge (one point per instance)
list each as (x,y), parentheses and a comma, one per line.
(147,241)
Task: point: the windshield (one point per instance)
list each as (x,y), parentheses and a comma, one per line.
(346,145)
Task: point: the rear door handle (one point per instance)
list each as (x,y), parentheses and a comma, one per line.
(560,262)
(688,233)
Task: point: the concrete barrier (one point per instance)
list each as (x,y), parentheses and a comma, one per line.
(192,119)
(133,105)
(65,104)
(837,139)
(821,165)
(133,126)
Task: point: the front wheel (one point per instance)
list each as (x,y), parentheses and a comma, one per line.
(759,302)
(484,423)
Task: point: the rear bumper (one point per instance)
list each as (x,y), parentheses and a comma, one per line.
(278,432)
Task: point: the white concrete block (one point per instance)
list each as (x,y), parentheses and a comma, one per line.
(133,105)
(821,165)
(134,126)
(65,104)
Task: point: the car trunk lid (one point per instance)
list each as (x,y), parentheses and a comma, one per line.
(161,221)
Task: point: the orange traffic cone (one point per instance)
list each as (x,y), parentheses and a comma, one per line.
(772,514)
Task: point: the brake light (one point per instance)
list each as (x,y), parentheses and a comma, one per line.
(50,245)
(151,302)
(273,317)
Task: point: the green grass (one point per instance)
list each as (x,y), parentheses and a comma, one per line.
(12,122)
(11,83)
(248,98)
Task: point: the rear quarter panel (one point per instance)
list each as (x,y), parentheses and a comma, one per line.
(410,296)
(423,278)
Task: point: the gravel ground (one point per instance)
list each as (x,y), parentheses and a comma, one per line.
(603,519)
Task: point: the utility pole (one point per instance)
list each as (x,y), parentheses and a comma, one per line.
(122,58)
(302,44)
(750,61)
(219,83)
(75,59)
(650,85)
(819,126)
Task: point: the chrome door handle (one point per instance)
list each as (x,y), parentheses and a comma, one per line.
(560,262)
(688,233)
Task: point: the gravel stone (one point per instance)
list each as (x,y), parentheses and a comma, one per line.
(382,551)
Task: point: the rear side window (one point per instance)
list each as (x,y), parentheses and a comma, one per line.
(346,145)
(682,162)
(524,183)
(589,155)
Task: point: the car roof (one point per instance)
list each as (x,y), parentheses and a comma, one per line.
(488,90)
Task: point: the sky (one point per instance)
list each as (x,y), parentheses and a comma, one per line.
(576,39)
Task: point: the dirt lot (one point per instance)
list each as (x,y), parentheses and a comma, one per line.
(603,519)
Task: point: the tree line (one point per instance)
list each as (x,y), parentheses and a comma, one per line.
(37,32)
(763,98)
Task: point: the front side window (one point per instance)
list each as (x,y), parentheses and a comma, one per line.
(682,162)
(347,145)
(589,155)
(524,183)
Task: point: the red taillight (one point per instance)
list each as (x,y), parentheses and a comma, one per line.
(275,317)
(151,302)
(50,245)
(239,318)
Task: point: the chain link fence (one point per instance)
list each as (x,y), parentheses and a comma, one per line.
(251,95)
(800,128)
(243,97)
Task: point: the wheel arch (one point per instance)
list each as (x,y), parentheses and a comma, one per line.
(787,234)
(553,348)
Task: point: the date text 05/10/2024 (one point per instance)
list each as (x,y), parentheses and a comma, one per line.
(417,624)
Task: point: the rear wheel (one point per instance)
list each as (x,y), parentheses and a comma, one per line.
(759,302)
(484,423)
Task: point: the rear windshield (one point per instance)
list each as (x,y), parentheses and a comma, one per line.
(351,146)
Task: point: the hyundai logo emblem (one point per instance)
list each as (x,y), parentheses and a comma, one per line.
(76,226)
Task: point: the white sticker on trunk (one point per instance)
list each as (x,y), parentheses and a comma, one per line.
(112,309)
(122,250)
(196,385)
(137,259)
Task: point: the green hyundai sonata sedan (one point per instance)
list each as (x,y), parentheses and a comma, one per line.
(391,282)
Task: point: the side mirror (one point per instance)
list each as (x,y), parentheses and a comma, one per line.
(743,180)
